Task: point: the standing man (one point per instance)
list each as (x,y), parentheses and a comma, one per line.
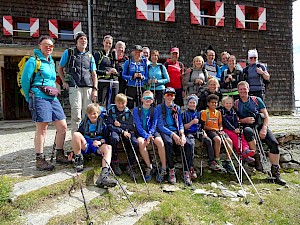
(176,73)
(146,54)
(121,59)
(211,66)
(248,109)
(80,78)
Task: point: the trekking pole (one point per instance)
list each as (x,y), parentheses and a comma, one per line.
(184,160)
(88,219)
(246,174)
(154,85)
(153,149)
(223,139)
(137,160)
(129,164)
(115,176)
(53,148)
(110,90)
(240,152)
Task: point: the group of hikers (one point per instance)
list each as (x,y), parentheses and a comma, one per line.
(144,102)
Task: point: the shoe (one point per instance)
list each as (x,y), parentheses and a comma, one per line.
(104,180)
(116,168)
(229,167)
(214,166)
(193,173)
(172,176)
(148,174)
(61,158)
(42,164)
(161,176)
(220,165)
(276,174)
(248,159)
(130,171)
(78,162)
(257,162)
(186,178)
(248,152)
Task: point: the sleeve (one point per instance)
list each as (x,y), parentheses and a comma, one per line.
(165,76)
(160,122)
(261,104)
(218,76)
(222,80)
(81,126)
(28,71)
(100,72)
(138,123)
(154,121)
(126,75)
(187,82)
(129,123)
(203,116)
(110,123)
(181,128)
(146,73)
(64,58)
(93,64)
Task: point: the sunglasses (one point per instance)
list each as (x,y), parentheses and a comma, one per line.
(253,57)
(169,95)
(148,97)
(48,46)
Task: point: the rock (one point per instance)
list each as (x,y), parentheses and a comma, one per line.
(235,199)
(229,194)
(290,165)
(241,193)
(202,192)
(278,189)
(285,157)
(170,188)
(213,184)
(296,155)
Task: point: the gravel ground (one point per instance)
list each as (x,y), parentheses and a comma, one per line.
(17,150)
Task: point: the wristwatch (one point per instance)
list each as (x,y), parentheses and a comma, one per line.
(94,88)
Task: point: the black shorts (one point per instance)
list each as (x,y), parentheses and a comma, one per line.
(156,134)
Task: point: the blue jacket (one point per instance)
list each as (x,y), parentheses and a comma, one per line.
(125,118)
(47,74)
(188,116)
(166,123)
(162,79)
(150,122)
(130,69)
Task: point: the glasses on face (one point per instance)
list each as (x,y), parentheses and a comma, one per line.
(210,55)
(48,45)
(148,97)
(169,95)
(253,57)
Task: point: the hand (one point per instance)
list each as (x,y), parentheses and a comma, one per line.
(249,120)
(188,71)
(97,143)
(263,132)
(149,81)
(65,86)
(183,140)
(117,123)
(195,121)
(149,139)
(155,80)
(259,71)
(204,135)
(176,138)
(237,131)
(127,134)
(94,95)
(137,75)
(183,94)
(112,71)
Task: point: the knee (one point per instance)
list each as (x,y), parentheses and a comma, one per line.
(159,142)
(76,135)
(217,140)
(248,134)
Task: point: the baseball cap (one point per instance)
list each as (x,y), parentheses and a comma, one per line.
(252,53)
(175,49)
(138,48)
(79,35)
(170,90)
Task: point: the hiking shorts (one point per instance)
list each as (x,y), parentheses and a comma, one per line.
(89,147)
(155,135)
(46,110)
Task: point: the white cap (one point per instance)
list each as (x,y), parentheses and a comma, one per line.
(252,53)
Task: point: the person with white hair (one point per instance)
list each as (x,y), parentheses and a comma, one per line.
(121,59)
(256,75)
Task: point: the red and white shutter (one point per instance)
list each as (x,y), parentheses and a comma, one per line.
(141,9)
(76,27)
(170,10)
(53,28)
(262,21)
(8,25)
(240,17)
(34,27)
(195,11)
(219,14)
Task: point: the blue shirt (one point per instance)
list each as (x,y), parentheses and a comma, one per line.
(132,68)
(255,80)
(250,108)
(162,79)
(145,127)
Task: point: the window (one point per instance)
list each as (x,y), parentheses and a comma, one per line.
(155,10)
(207,12)
(21,26)
(65,30)
(249,17)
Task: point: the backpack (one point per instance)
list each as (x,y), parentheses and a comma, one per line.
(21,66)
(152,110)
(175,109)
(208,115)
(112,107)
(266,82)
(99,130)
(236,102)
(71,59)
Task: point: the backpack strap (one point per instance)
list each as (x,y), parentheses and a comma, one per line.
(254,99)
(190,78)
(236,105)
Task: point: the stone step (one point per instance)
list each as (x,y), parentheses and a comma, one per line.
(36,183)
(61,206)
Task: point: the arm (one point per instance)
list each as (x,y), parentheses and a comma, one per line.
(126,72)
(138,123)
(165,76)
(28,71)
(160,123)
(110,124)
(262,71)
(94,79)
(154,122)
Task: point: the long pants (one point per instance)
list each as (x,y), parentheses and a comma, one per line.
(235,140)
(104,92)
(159,94)
(209,147)
(115,139)
(79,98)
(171,147)
(135,93)
(270,139)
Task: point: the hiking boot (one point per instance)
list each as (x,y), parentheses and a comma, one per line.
(116,168)
(229,167)
(193,173)
(172,176)
(257,162)
(220,165)
(276,174)
(186,178)
(131,172)
(78,162)
(248,152)
(42,164)
(148,174)
(104,180)
(61,158)
(161,176)
(248,159)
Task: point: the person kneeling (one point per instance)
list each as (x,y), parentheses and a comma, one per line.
(91,138)
(145,119)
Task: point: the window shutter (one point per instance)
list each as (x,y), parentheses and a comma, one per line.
(8,25)
(141,9)
(53,28)
(240,17)
(170,10)
(219,14)
(34,27)
(195,11)
(76,27)
(262,15)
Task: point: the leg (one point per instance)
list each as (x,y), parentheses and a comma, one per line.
(75,99)
(86,99)
(169,149)
(131,92)
(114,140)
(210,149)
(161,151)
(143,150)
(40,134)
(61,130)
(217,146)
(106,150)
(189,152)
(78,143)
(159,96)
